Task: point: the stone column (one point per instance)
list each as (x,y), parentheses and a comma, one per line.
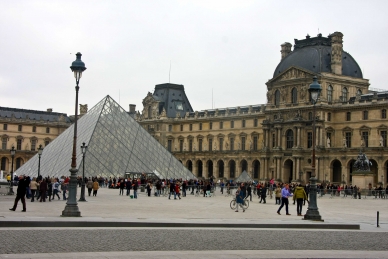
(298,137)
(297,166)
(278,169)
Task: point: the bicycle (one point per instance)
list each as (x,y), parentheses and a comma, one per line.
(233,204)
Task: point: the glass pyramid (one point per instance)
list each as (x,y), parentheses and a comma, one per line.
(116,144)
(244,178)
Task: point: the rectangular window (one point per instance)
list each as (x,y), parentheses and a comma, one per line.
(365,115)
(309,139)
(243,123)
(20,127)
(232,124)
(191,145)
(329,116)
(273,140)
(200,126)
(231,144)
(19,144)
(242,143)
(3,163)
(255,122)
(169,145)
(4,143)
(33,128)
(221,124)
(383,138)
(33,144)
(169,128)
(181,127)
(210,144)
(191,127)
(5,126)
(255,138)
(365,138)
(47,130)
(157,127)
(221,144)
(200,145)
(181,145)
(348,116)
(211,125)
(348,139)
(384,114)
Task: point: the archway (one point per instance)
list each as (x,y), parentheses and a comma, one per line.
(209,165)
(288,171)
(348,179)
(4,163)
(374,169)
(189,165)
(244,165)
(199,168)
(337,172)
(220,168)
(19,163)
(232,169)
(256,169)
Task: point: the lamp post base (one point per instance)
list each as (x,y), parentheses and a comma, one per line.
(312,211)
(71,209)
(82,198)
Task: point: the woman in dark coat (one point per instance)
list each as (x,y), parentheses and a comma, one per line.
(43,190)
(50,188)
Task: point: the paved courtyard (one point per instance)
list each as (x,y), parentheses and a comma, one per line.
(178,242)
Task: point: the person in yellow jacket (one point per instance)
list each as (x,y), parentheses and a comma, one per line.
(299,196)
(96,186)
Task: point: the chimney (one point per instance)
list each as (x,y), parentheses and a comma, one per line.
(49,109)
(132,108)
(83,109)
(285,49)
(336,53)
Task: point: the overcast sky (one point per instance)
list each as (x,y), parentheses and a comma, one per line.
(231,47)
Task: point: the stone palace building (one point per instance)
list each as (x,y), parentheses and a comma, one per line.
(273,140)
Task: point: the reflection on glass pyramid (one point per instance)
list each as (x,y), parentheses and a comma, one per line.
(116,144)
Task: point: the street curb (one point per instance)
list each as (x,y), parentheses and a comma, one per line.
(98,224)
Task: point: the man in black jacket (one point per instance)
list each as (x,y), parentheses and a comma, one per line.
(21,193)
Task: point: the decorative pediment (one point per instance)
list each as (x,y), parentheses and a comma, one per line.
(220,135)
(347,129)
(200,136)
(329,129)
(242,134)
(181,137)
(231,135)
(364,128)
(254,133)
(293,72)
(209,136)
(5,136)
(190,137)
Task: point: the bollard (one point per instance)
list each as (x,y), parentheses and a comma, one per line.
(378,215)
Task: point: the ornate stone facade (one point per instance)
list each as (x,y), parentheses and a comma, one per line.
(274,140)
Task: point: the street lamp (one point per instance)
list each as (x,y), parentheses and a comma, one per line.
(71,208)
(83,148)
(40,151)
(13,151)
(312,210)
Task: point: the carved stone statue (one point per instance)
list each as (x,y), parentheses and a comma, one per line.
(262,144)
(328,142)
(239,146)
(362,163)
(83,108)
(175,147)
(362,142)
(381,141)
(344,142)
(164,113)
(226,145)
(269,96)
(184,147)
(250,145)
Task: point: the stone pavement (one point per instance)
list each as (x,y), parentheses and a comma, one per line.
(172,242)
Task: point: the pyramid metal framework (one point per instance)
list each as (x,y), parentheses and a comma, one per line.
(116,144)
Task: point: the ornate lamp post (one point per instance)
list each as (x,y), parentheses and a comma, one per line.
(83,148)
(312,211)
(40,151)
(13,151)
(71,208)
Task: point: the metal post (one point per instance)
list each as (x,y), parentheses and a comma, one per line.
(378,217)
(71,208)
(11,187)
(82,198)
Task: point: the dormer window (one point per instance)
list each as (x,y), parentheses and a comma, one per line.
(179,106)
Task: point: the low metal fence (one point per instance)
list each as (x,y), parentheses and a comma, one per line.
(352,193)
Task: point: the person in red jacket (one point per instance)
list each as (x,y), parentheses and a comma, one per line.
(178,189)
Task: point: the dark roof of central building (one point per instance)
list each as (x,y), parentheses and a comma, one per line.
(173,99)
(314,54)
(7,112)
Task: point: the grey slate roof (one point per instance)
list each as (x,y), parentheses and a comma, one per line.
(314,54)
(170,96)
(7,112)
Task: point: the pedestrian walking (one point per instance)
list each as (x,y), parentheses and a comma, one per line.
(20,194)
(89,185)
(177,190)
(263,195)
(285,194)
(49,188)
(56,189)
(96,186)
(278,194)
(172,190)
(43,190)
(64,186)
(300,196)
(33,188)
(249,192)
(135,185)
(121,186)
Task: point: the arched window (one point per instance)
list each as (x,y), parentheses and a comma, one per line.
(294,95)
(277,97)
(329,93)
(290,138)
(344,94)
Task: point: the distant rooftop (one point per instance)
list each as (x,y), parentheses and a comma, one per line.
(6,112)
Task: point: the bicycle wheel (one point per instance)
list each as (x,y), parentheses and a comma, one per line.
(233,204)
(245,204)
